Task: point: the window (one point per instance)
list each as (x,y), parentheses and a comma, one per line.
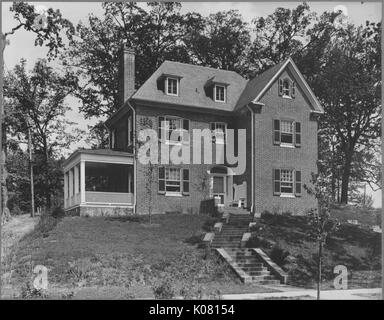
(173,180)
(169,124)
(287,88)
(218,132)
(286,132)
(287,182)
(172,86)
(219,93)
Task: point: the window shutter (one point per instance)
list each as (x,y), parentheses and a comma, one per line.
(298,183)
(185,181)
(276,181)
(276,131)
(280,87)
(297,134)
(161,128)
(186,132)
(161,180)
(293,90)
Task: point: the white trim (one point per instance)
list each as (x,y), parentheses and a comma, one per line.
(225,93)
(289,60)
(173,194)
(252,161)
(177,86)
(287,195)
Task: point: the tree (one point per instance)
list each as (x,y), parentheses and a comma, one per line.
(220,40)
(98,137)
(94,50)
(35,104)
(321,225)
(349,88)
(47,27)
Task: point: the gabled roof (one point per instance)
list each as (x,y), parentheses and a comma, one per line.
(193,86)
(256,88)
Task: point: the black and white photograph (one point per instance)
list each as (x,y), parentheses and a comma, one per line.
(215,151)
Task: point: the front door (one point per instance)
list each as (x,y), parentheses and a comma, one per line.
(219,188)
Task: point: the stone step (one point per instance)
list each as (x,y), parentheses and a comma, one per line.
(250,269)
(259,273)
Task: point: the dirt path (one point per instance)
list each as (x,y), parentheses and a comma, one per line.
(15,229)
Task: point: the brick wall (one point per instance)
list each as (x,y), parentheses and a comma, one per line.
(269,156)
(163,203)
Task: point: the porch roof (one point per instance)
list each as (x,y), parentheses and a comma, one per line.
(94,155)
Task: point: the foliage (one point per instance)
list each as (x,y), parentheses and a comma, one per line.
(279,254)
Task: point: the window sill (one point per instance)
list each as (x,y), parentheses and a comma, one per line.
(287,97)
(286,145)
(287,195)
(173,194)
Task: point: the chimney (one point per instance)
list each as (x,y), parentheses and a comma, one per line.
(126,73)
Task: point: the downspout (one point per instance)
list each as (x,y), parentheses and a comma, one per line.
(252,161)
(134,156)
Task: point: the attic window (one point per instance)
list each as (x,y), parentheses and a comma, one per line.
(287,88)
(172,86)
(219,93)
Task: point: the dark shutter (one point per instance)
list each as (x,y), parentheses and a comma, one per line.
(161,83)
(161,180)
(276,181)
(298,183)
(185,181)
(186,132)
(276,131)
(293,90)
(297,134)
(161,128)
(280,87)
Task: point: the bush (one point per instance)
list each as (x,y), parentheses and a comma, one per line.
(164,289)
(279,255)
(58,212)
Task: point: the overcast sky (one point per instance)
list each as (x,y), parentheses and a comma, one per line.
(22,42)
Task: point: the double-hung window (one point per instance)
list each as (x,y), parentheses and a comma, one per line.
(287,182)
(219,93)
(173,180)
(218,132)
(169,124)
(286,132)
(172,86)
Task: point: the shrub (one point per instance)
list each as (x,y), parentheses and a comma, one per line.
(164,289)
(279,255)
(58,212)
(28,291)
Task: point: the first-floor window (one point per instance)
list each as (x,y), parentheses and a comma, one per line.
(173,180)
(287,181)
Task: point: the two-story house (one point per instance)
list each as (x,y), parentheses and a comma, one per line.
(277,109)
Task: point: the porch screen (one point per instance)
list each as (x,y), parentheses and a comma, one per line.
(106,177)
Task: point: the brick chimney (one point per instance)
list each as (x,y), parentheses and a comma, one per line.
(126,73)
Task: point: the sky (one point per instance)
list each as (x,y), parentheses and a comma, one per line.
(22,43)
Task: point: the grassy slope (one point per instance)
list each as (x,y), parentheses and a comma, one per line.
(125,253)
(355,247)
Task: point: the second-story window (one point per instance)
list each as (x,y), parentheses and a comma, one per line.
(172,86)
(169,124)
(286,131)
(219,93)
(218,131)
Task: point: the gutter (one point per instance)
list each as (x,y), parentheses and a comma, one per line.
(252,160)
(134,155)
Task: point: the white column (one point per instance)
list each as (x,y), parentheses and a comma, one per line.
(82,181)
(70,187)
(65,190)
(77,186)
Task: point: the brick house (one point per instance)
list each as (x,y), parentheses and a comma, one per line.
(277,109)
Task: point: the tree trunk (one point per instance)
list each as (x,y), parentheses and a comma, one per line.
(319,266)
(31,173)
(345,178)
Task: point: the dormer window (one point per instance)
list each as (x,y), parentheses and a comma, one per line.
(286,88)
(172,86)
(219,93)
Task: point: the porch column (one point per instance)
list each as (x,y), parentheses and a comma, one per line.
(70,186)
(82,181)
(65,189)
(76,177)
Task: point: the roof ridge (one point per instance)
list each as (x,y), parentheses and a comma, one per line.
(204,67)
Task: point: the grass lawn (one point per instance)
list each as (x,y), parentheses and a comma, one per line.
(285,239)
(125,257)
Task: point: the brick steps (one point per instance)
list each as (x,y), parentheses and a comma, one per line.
(242,260)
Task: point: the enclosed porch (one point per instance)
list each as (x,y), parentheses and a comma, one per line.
(99,178)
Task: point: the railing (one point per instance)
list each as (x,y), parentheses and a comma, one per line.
(108,197)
